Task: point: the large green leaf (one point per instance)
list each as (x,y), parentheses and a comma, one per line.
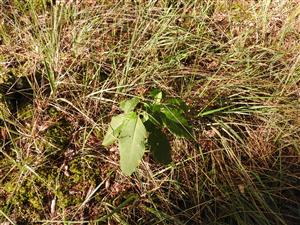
(178,102)
(157,95)
(159,145)
(132,143)
(129,105)
(153,111)
(114,129)
(175,121)
(176,128)
(175,115)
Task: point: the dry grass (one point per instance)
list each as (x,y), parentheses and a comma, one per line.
(65,67)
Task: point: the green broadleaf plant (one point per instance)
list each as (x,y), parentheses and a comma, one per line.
(135,128)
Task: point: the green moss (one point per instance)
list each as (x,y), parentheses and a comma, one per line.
(9,187)
(59,134)
(23,199)
(25,112)
(16,93)
(4,112)
(52,112)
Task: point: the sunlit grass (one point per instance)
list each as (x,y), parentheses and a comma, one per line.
(64,68)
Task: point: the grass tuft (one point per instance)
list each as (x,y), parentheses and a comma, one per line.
(66,65)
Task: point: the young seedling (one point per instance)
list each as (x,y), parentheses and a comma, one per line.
(134,129)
